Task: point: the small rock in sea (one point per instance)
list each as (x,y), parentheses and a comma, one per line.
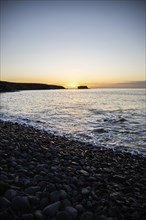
(51,209)
(63,216)
(28,216)
(71,211)
(21,204)
(122,120)
(86,216)
(85,191)
(99,130)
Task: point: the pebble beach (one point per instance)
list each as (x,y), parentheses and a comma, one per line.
(47,177)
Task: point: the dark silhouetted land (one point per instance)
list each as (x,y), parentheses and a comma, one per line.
(82,87)
(12,86)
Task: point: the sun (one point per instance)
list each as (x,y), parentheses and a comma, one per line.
(72,85)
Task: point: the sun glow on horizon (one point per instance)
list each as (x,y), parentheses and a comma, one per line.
(72,85)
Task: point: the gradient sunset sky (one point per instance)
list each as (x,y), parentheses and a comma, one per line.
(73,42)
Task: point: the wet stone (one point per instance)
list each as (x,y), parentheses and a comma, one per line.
(4,187)
(51,209)
(21,204)
(10,194)
(85,191)
(87,216)
(84,172)
(33,189)
(63,194)
(54,196)
(63,216)
(28,216)
(38,215)
(71,211)
(65,203)
(4,203)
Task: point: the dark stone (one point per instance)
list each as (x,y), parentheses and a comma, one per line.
(65,203)
(52,209)
(6,216)
(71,211)
(32,189)
(4,187)
(3,177)
(63,216)
(63,194)
(51,187)
(28,216)
(99,217)
(86,216)
(99,130)
(54,196)
(4,203)
(80,208)
(38,215)
(34,201)
(21,204)
(10,194)
(85,191)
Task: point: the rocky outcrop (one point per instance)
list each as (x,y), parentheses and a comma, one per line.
(12,87)
(82,87)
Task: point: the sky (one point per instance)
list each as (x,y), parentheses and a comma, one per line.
(73,43)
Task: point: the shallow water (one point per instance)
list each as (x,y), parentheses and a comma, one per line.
(104,117)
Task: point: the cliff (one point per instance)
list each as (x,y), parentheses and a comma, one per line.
(12,87)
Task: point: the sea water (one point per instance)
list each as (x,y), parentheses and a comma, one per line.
(113,118)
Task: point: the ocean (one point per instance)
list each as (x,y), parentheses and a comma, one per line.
(112,118)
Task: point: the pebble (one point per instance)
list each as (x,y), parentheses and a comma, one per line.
(51,209)
(85,191)
(28,216)
(63,216)
(43,176)
(86,216)
(71,211)
(38,215)
(54,196)
(4,203)
(10,194)
(21,204)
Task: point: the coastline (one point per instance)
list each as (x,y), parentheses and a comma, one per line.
(45,176)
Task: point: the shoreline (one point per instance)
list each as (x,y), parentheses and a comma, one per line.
(134,151)
(44,176)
